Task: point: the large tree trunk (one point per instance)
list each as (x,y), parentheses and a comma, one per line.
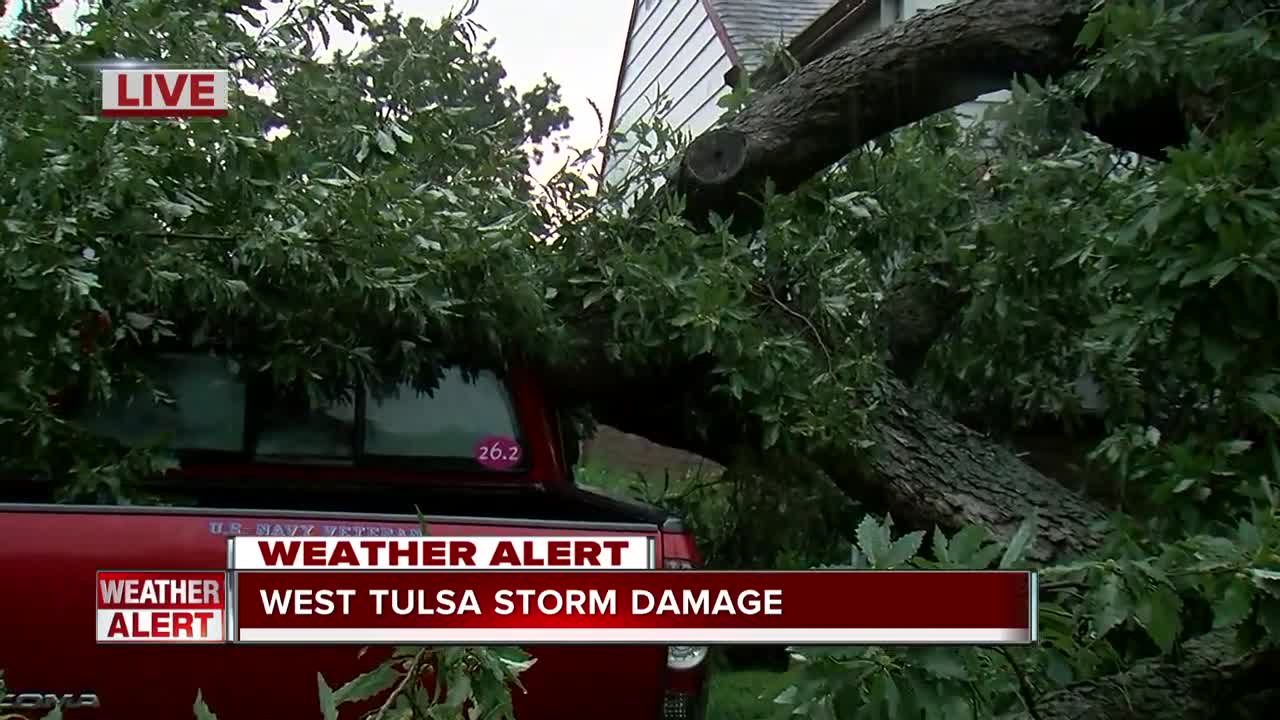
(923,467)
(929,470)
(1210,680)
(909,71)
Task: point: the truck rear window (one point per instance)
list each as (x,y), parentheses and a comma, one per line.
(212,409)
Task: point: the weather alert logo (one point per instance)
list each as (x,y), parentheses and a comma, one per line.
(140,91)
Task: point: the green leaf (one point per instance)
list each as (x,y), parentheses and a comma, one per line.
(1266,579)
(1235,603)
(1057,669)
(957,707)
(1019,543)
(459,689)
(1269,617)
(887,690)
(1236,447)
(940,549)
(947,663)
(54,714)
(138,321)
(386,143)
(1212,216)
(1158,613)
(1110,605)
(1268,403)
(442,712)
(872,540)
(904,549)
(982,559)
(594,297)
(1217,352)
(405,137)
(1091,31)
(965,543)
(771,432)
(847,700)
(201,710)
(367,685)
(328,704)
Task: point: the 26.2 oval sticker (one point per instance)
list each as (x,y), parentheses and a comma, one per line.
(498,453)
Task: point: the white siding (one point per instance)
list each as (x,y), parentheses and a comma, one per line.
(675,53)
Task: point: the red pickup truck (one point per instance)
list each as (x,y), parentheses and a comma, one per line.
(256,461)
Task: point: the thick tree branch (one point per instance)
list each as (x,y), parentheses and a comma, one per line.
(1208,681)
(930,470)
(909,71)
(923,467)
(915,312)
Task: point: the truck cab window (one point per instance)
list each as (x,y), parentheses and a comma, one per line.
(294,426)
(447,422)
(207,412)
(397,424)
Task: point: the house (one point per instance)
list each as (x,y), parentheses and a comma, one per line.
(694,52)
(685,49)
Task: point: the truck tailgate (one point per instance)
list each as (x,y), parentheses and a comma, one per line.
(49,556)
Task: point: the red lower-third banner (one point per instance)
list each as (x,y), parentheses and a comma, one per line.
(645,607)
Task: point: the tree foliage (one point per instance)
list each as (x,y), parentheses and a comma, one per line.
(392,226)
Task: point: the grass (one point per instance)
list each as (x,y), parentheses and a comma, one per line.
(745,694)
(633,484)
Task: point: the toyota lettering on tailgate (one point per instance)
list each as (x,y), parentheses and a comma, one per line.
(27,701)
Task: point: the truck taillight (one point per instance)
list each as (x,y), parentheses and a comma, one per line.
(683,657)
(685,696)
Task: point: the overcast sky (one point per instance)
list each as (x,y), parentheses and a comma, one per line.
(577,42)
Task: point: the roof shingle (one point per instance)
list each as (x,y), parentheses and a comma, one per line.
(754,25)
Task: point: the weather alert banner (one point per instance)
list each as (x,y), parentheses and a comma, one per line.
(684,607)
(546,590)
(420,553)
(161,607)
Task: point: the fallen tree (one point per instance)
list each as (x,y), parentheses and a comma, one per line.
(922,466)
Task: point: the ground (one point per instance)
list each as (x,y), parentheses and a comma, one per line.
(735,694)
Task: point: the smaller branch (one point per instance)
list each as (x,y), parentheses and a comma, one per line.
(804,319)
(702,486)
(271,27)
(1115,162)
(187,236)
(1025,691)
(404,682)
